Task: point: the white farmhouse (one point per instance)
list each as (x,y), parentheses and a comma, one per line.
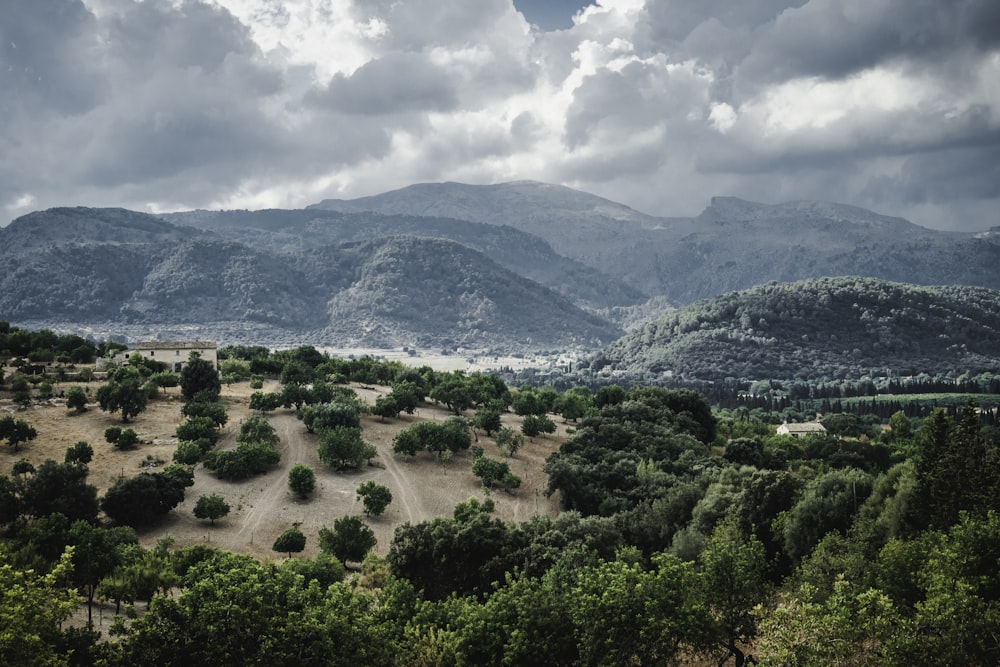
(799,430)
(175,354)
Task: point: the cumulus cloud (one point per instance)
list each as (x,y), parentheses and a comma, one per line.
(660,104)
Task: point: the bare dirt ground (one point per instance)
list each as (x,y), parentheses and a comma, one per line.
(262,507)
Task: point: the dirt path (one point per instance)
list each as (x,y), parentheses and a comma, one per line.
(274,496)
(262,507)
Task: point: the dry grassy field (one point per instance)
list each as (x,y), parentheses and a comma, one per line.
(262,507)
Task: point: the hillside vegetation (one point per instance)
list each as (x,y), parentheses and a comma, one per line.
(819,329)
(689,536)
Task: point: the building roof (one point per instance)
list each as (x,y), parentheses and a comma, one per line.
(175,345)
(805,427)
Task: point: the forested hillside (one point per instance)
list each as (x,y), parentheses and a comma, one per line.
(819,330)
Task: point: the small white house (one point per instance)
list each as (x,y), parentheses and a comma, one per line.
(175,354)
(799,430)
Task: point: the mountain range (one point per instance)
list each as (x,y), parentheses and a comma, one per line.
(732,245)
(515,266)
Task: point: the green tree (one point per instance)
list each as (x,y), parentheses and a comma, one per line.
(297,373)
(264,402)
(900,426)
(330,415)
(385,408)
(454,392)
(200,429)
(572,405)
(112,434)
(350,539)
(233,367)
(509,441)
(234,610)
(60,488)
(128,439)
(249,458)
(16,432)
(199,375)
(301,480)
(81,453)
(955,472)
(828,503)
(487,419)
(611,394)
(20,389)
(139,501)
(126,395)
(257,429)
(533,425)
(410,440)
(624,614)
(187,453)
(76,399)
(406,395)
(96,552)
(849,627)
(375,497)
(341,447)
(733,581)
(291,541)
(491,471)
(210,410)
(45,389)
(10,500)
(33,608)
(526,402)
(211,507)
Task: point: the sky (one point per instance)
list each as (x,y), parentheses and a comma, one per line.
(162,105)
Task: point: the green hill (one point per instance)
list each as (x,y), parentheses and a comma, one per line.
(819,329)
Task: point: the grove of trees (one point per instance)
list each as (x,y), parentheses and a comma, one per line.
(687,532)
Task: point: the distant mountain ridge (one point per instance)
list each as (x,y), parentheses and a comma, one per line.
(732,245)
(819,329)
(369,269)
(518,251)
(388,291)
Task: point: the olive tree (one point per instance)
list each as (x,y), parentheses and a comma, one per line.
(211,507)
(375,497)
(301,480)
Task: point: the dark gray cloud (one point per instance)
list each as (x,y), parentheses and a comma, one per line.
(890,104)
(833,39)
(49,55)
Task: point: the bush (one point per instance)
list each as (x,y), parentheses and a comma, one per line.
(121,438)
